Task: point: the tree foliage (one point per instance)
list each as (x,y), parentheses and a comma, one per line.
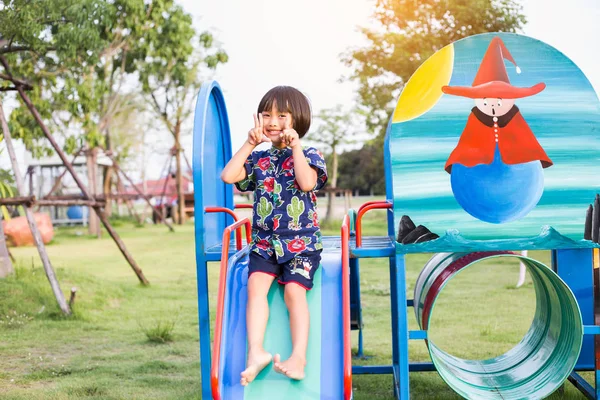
(406,33)
(82,56)
(43,43)
(170,62)
(403,35)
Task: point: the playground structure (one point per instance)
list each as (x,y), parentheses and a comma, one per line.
(564,337)
(47,177)
(27,202)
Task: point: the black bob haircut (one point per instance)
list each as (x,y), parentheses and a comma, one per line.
(288,99)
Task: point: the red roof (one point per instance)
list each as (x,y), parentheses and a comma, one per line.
(156,187)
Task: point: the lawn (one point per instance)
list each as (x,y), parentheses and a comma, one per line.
(112,348)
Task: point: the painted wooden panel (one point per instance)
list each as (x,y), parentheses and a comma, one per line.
(495,144)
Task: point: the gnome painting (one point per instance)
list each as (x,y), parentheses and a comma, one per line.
(496,167)
(494,145)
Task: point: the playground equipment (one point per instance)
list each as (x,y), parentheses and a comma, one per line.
(564,337)
(537,365)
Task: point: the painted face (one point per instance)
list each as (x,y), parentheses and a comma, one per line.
(274,122)
(494,107)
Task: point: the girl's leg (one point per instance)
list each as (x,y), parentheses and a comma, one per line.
(295,299)
(257,315)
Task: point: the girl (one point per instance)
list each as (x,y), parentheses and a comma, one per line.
(286,239)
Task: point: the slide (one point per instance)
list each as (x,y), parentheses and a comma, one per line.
(325,358)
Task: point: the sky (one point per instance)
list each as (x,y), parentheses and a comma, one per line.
(275,42)
(299,43)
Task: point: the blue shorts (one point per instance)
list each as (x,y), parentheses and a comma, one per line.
(300,269)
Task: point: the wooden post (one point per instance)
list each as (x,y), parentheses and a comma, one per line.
(30,175)
(30,201)
(162,197)
(37,237)
(128,202)
(6,267)
(179,179)
(92,173)
(18,201)
(72,298)
(86,192)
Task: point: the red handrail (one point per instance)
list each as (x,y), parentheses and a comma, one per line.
(346,307)
(243,206)
(371,205)
(238,234)
(214,371)
(221,209)
(368,203)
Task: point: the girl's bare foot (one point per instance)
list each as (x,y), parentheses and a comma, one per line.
(257,361)
(293,367)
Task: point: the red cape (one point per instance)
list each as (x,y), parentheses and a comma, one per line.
(516,142)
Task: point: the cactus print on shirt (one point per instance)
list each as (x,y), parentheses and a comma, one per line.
(284,222)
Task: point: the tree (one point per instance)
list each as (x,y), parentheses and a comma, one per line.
(408,32)
(173,55)
(336,128)
(45,41)
(126,122)
(360,172)
(83,100)
(76,55)
(42,45)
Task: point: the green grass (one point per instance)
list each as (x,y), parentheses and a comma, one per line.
(126,341)
(160,332)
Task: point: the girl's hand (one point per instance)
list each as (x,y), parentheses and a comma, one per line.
(289,136)
(257,135)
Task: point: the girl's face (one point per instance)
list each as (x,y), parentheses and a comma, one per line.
(274,122)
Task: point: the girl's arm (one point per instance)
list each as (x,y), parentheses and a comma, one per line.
(234,171)
(306,176)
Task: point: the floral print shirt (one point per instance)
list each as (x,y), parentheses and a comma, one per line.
(284,222)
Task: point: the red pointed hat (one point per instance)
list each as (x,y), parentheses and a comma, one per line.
(492,80)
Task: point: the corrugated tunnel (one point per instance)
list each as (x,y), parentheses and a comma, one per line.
(538,364)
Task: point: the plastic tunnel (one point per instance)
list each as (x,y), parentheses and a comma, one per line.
(538,364)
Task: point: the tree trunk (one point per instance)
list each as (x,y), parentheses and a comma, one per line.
(334,169)
(333,183)
(6,267)
(92,172)
(37,237)
(179,176)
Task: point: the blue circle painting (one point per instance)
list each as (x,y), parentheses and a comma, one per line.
(498,192)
